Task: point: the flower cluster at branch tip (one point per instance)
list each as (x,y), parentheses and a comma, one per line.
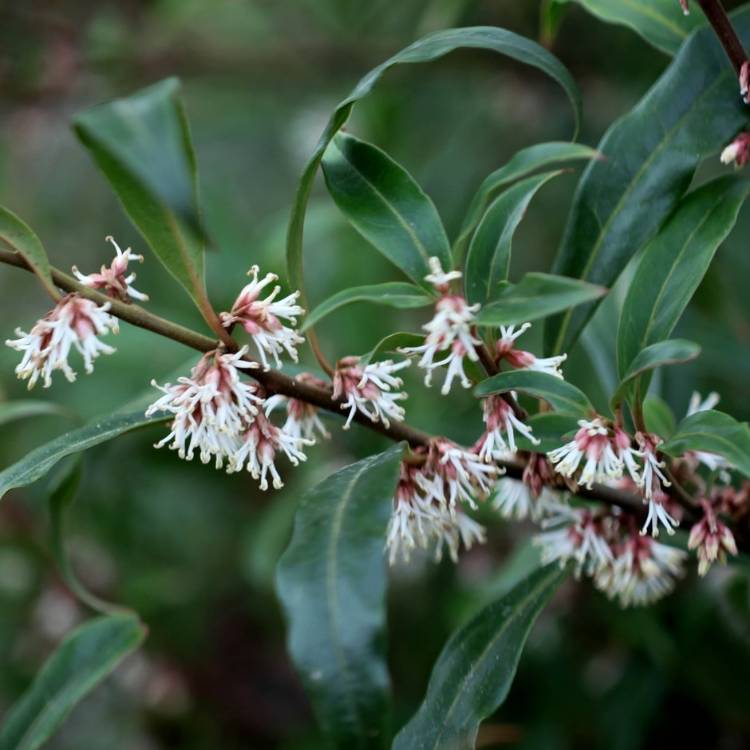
(75,322)
(449,332)
(261,318)
(370,390)
(506,351)
(738,151)
(114,280)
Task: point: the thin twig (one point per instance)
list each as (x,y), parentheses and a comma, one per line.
(722,25)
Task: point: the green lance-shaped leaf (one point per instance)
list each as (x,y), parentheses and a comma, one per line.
(712,432)
(660,22)
(431,47)
(521,164)
(20,238)
(331,581)
(475,670)
(142,145)
(660,354)
(536,296)
(10,411)
(550,429)
(39,461)
(88,655)
(658,416)
(674,263)
(386,206)
(488,259)
(558,393)
(393,294)
(391,344)
(651,155)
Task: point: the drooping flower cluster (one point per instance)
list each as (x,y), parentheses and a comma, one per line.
(606,452)
(449,333)
(529,497)
(501,424)
(622,563)
(303,419)
(711,538)
(370,390)
(261,318)
(506,351)
(221,416)
(423,516)
(115,280)
(75,322)
(737,152)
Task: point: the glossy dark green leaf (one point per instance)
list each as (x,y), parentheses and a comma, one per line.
(392,344)
(10,411)
(660,22)
(88,655)
(20,238)
(536,296)
(39,461)
(475,670)
(660,354)
(712,432)
(558,393)
(142,145)
(331,581)
(488,258)
(550,428)
(674,264)
(650,157)
(386,206)
(392,293)
(431,47)
(658,416)
(521,164)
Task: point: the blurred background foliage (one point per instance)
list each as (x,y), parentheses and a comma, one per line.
(193,551)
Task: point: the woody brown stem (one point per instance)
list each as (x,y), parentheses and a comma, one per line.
(276,382)
(722,25)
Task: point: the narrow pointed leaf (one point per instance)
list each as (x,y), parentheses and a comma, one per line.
(669,352)
(488,259)
(23,408)
(20,238)
(88,655)
(386,206)
(650,157)
(536,296)
(142,145)
(660,22)
(39,461)
(391,344)
(475,670)
(392,294)
(712,432)
(522,164)
(431,47)
(331,581)
(659,417)
(558,393)
(674,264)
(550,429)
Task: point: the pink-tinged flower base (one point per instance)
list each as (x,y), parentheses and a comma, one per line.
(712,539)
(75,322)
(114,280)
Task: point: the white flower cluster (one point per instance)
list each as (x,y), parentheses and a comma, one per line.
(625,565)
(601,453)
(74,323)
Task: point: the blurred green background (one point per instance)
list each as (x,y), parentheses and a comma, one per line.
(193,551)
